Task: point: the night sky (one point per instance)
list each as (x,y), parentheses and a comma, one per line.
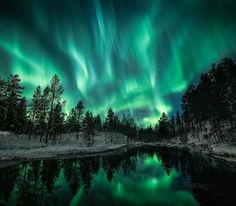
(135,56)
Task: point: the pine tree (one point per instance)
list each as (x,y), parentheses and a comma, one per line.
(21,115)
(230,87)
(58,121)
(178,124)
(172,127)
(88,128)
(128,126)
(79,110)
(71,121)
(14,91)
(163,129)
(110,120)
(97,123)
(35,109)
(44,110)
(56,91)
(188,104)
(3,95)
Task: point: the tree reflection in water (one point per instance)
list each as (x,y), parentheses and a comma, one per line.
(143,176)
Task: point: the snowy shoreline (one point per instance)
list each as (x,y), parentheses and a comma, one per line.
(223,151)
(14,149)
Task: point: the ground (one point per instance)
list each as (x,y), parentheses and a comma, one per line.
(18,147)
(225,149)
(14,146)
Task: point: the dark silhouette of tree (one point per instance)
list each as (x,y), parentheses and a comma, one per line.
(212,101)
(97,123)
(21,116)
(8,178)
(128,126)
(35,110)
(43,115)
(3,109)
(14,94)
(179,124)
(71,121)
(72,174)
(147,134)
(110,165)
(109,123)
(74,119)
(52,169)
(79,111)
(163,128)
(58,121)
(56,91)
(88,129)
(86,171)
(188,104)
(172,127)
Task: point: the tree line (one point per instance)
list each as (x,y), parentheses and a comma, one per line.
(209,104)
(43,115)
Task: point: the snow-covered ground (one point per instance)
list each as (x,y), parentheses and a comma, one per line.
(19,147)
(197,142)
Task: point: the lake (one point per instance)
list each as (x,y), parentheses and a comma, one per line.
(148,176)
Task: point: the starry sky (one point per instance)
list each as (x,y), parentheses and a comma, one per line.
(136,56)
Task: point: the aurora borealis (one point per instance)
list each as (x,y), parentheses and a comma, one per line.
(135,56)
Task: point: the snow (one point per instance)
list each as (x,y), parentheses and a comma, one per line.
(198,143)
(19,147)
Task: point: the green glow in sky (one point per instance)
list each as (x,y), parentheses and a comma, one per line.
(132,55)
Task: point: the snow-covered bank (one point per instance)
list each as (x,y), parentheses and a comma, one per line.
(14,147)
(225,151)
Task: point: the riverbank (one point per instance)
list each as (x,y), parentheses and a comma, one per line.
(15,148)
(19,147)
(225,151)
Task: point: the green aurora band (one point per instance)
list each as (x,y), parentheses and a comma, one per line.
(136,56)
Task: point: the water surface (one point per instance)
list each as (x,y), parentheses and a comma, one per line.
(151,176)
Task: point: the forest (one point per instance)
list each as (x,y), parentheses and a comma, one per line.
(209,105)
